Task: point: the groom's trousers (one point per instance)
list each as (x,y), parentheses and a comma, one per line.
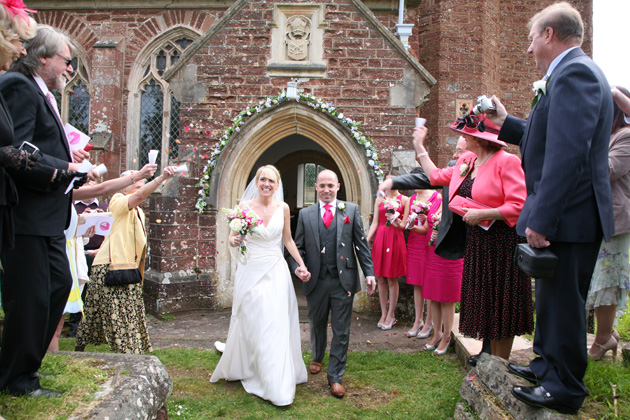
(329,297)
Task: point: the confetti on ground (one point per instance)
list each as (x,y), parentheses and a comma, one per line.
(472,378)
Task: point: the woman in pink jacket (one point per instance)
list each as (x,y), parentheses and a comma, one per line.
(496,297)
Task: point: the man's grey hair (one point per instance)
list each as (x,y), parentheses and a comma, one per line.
(45,44)
(565,20)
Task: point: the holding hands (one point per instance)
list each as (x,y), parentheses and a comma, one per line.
(303,273)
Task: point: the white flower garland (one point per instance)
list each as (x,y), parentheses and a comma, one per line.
(272,101)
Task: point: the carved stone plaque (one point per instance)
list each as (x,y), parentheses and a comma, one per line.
(297,38)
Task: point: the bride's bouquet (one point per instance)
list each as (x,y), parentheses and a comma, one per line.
(417,208)
(435,219)
(242,220)
(391,209)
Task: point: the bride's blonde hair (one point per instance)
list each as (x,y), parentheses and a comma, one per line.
(270,172)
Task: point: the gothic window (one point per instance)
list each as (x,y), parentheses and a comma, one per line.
(74,99)
(307,175)
(159,110)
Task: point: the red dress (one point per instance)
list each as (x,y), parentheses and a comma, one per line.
(442,277)
(417,248)
(389,252)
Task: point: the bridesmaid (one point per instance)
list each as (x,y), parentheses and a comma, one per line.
(417,248)
(389,253)
(442,286)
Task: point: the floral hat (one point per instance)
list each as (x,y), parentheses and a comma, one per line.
(478,126)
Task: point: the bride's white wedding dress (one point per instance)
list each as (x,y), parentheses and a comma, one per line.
(263,348)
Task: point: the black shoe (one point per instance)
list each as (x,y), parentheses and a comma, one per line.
(523,372)
(473,359)
(537,396)
(44,393)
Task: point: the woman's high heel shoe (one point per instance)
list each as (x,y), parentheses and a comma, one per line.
(428,346)
(426,334)
(389,327)
(599,352)
(442,352)
(413,333)
(380,325)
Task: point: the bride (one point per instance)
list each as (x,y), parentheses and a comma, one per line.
(263,348)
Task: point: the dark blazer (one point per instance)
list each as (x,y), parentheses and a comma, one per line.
(37,213)
(451,240)
(566,165)
(351,239)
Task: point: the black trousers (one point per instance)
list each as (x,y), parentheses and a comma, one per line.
(35,289)
(560,337)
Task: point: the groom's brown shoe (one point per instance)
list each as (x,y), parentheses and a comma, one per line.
(315,368)
(337,390)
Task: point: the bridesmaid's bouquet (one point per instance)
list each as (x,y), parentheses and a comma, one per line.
(391,209)
(242,220)
(417,208)
(435,219)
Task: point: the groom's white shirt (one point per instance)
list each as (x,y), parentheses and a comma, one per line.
(333,208)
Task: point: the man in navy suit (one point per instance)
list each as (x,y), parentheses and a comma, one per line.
(36,280)
(564,147)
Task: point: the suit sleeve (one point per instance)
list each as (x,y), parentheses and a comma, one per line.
(21,98)
(412,182)
(299,242)
(362,248)
(512,130)
(575,99)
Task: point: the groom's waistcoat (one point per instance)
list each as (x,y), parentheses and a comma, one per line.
(328,241)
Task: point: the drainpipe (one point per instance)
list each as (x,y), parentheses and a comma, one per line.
(403,30)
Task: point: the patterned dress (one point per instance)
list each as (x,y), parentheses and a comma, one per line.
(496,297)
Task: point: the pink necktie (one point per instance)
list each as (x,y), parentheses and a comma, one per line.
(53,103)
(328,216)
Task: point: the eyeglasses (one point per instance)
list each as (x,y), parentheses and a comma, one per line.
(67,60)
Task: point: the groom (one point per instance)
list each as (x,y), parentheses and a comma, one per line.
(327,236)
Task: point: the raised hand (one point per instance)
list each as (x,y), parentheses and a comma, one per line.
(497,117)
(419,136)
(147,171)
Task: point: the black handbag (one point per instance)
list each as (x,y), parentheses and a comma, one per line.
(125,273)
(535,262)
(122,277)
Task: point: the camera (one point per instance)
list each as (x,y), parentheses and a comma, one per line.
(29,148)
(484,104)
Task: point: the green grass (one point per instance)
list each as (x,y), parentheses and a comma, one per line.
(78,379)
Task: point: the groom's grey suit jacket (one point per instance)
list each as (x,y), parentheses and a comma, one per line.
(351,239)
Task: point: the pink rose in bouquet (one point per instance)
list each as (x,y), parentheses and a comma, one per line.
(435,219)
(391,209)
(242,220)
(417,208)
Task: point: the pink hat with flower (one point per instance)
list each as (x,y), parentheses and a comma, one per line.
(478,126)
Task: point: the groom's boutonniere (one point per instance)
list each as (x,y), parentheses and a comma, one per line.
(540,89)
(341,206)
(463,169)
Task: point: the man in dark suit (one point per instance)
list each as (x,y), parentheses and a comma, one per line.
(328,234)
(36,280)
(564,147)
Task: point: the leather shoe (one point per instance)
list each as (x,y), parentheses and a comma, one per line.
(523,372)
(537,396)
(44,393)
(315,368)
(472,361)
(337,390)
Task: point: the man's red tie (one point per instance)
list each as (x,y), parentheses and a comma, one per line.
(328,216)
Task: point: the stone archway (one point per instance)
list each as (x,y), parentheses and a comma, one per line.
(230,176)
